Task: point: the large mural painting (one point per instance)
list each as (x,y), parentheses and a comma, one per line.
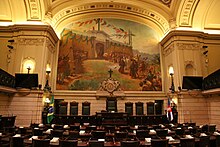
(92,47)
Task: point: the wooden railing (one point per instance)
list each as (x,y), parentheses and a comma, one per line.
(212,81)
(6,79)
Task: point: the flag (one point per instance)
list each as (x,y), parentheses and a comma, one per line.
(50,114)
(169,111)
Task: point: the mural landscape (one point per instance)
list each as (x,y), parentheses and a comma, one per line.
(90,48)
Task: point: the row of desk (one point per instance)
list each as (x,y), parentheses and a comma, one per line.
(116,118)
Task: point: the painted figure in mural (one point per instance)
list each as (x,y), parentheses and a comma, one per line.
(133,68)
(121,65)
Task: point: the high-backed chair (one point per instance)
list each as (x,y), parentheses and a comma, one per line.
(139,108)
(63,108)
(203,141)
(68,143)
(142,134)
(75,127)
(159,142)
(37,132)
(57,133)
(187,142)
(150,108)
(40,142)
(17,142)
(120,136)
(110,128)
(86,108)
(98,134)
(73,135)
(130,143)
(74,108)
(124,128)
(111,104)
(162,133)
(129,108)
(95,143)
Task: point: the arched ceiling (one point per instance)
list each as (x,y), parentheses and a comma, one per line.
(160,15)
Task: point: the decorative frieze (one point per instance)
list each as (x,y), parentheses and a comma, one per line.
(31,41)
(188,46)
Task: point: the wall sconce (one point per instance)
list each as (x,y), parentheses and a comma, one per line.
(171,72)
(28,66)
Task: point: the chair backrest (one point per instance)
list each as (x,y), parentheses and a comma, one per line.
(142,134)
(111,104)
(90,128)
(98,134)
(86,108)
(150,108)
(139,108)
(110,128)
(95,143)
(74,108)
(63,108)
(73,135)
(187,142)
(162,133)
(129,108)
(68,143)
(40,142)
(124,128)
(57,133)
(120,136)
(159,142)
(211,128)
(75,127)
(130,143)
(37,132)
(179,131)
(217,140)
(17,142)
(204,141)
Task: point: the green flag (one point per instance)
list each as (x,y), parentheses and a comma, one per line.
(50,114)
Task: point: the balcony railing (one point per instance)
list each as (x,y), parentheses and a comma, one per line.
(212,81)
(6,79)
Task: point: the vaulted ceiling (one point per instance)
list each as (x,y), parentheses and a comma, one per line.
(160,15)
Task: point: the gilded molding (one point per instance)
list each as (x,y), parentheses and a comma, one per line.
(33,9)
(188,46)
(162,22)
(166,2)
(186,15)
(31,41)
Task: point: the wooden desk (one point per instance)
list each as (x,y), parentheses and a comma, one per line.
(112,118)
